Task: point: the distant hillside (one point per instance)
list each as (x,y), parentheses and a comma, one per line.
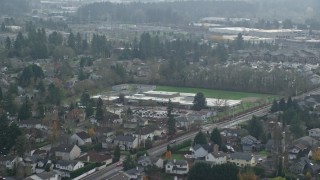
(14,7)
(186,11)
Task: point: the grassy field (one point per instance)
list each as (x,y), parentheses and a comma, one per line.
(211,93)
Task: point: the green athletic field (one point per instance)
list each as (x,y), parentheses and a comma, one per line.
(211,93)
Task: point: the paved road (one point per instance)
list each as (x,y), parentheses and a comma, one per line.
(105,173)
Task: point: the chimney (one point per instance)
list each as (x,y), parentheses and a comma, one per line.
(88,158)
(215,148)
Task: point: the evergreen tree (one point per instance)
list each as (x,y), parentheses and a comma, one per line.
(1,96)
(55,38)
(255,127)
(89,110)
(54,94)
(3,27)
(274,107)
(25,110)
(289,103)
(71,41)
(85,98)
(200,171)
(199,102)
(282,105)
(171,125)
(9,104)
(169,108)
(239,42)
(116,154)
(21,145)
(128,163)
(200,138)
(8,44)
(99,110)
(216,137)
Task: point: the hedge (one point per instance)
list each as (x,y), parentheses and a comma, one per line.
(182,145)
(82,170)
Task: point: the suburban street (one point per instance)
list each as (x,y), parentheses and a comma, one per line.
(158,150)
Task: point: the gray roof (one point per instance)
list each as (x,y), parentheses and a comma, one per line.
(306,141)
(46,175)
(125,138)
(218,154)
(178,162)
(149,159)
(241,155)
(207,147)
(135,171)
(147,129)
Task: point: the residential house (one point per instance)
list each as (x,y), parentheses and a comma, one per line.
(76,115)
(41,153)
(52,175)
(315,133)
(302,146)
(103,132)
(64,167)
(32,162)
(8,162)
(179,167)
(230,137)
(32,124)
(81,138)
(35,135)
(42,163)
(135,173)
(135,121)
(242,159)
(94,157)
(150,161)
(146,132)
(304,165)
(250,143)
(217,157)
(66,152)
(126,142)
(201,150)
(184,122)
(109,119)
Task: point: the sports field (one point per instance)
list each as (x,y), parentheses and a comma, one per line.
(210,93)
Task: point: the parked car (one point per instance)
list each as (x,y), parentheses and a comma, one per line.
(119,163)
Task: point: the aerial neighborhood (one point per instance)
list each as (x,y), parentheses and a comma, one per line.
(159,90)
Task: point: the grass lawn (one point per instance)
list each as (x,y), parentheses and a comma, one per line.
(185,149)
(211,93)
(264,153)
(177,157)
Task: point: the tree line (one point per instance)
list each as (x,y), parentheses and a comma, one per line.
(161,12)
